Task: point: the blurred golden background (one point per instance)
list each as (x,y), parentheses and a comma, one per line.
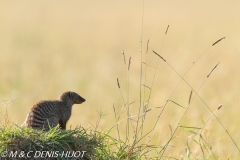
(48,47)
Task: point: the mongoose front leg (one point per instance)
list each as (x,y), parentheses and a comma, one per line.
(62,125)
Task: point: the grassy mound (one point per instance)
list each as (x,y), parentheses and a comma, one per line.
(59,144)
(79,143)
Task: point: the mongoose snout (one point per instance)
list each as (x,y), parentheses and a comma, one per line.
(50,113)
(76,98)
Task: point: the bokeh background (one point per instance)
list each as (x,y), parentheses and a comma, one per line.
(48,47)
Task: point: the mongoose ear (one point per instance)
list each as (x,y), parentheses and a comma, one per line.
(71,95)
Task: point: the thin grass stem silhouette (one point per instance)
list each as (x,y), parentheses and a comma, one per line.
(190,98)
(182,78)
(128,114)
(164,148)
(155,72)
(120,91)
(145,79)
(141,71)
(200,137)
(116,119)
(126,104)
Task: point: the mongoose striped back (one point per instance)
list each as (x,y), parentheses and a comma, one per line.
(50,113)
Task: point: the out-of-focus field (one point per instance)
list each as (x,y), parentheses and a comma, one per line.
(48,47)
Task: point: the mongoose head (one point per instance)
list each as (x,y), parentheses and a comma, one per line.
(72,96)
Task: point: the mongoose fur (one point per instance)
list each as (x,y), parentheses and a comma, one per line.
(50,113)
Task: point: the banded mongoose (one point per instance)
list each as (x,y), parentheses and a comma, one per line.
(50,113)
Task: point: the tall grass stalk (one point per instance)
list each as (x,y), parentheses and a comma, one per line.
(141,72)
(128,113)
(145,107)
(145,85)
(154,75)
(164,148)
(126,104)
(119,87)
(196,92)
